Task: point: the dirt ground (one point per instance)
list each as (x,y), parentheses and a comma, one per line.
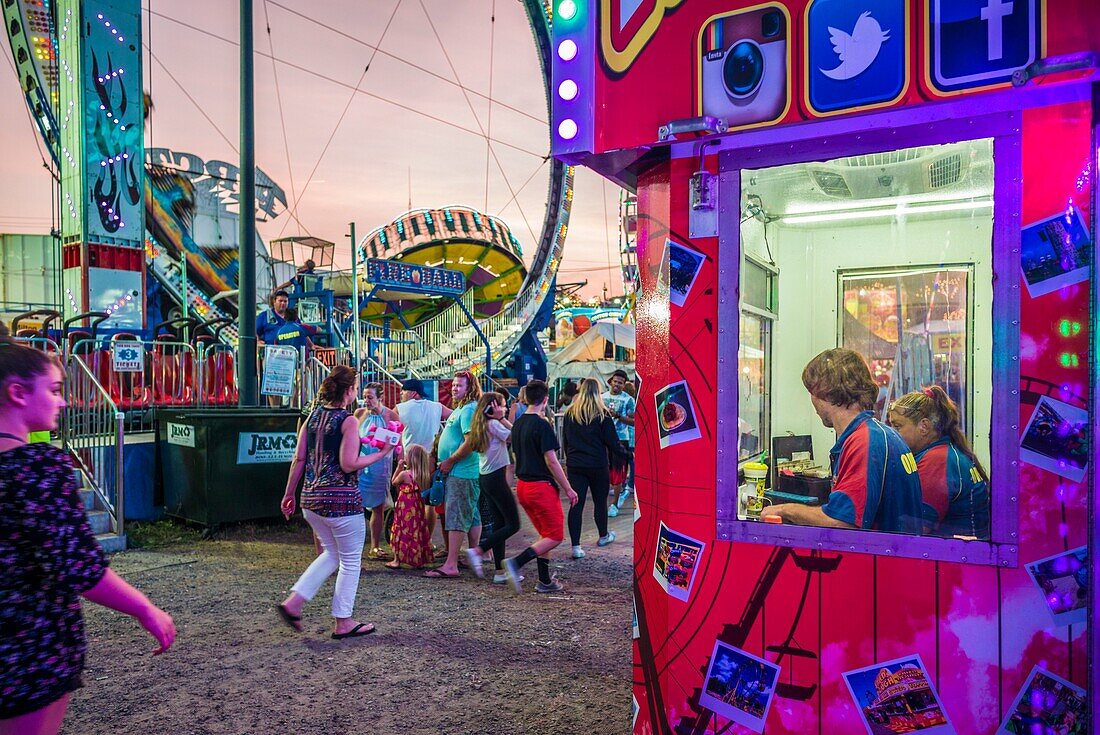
(458,656)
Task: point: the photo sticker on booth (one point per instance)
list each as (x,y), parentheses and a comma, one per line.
(1063,581)
(684,265)
(1047,704)
(898,696)
(1055,252)
(739,686)
(1056,439)
(676,421)
(744,66)
(676,561)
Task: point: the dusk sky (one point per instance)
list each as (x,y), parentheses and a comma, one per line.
(404,122)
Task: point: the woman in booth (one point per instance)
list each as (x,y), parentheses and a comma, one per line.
(954,485)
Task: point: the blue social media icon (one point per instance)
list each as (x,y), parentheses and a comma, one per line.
(855,53)
(976,43)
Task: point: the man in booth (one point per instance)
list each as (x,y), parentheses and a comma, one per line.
(270,321)
(875,481)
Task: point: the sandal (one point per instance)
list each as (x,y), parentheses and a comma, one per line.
(436,574)
(392,564)
(359,630)
(294,621)
(377,554)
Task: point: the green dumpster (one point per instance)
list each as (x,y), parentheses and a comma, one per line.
(224,465)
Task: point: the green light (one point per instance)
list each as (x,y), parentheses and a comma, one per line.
(1069,328)
(1070,360)
(567,9)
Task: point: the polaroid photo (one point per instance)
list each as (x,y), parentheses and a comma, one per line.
(1047,703)
(634,709)
(1056,439)
(684,266)
(634,626)
(898,696)
(1063,581)
(676,421)
(739,686)
(676,562)
(1055,252)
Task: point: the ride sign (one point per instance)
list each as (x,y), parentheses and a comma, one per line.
(280,368)
(127,356)
(398,276)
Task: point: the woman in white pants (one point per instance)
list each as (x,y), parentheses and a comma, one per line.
(328,454)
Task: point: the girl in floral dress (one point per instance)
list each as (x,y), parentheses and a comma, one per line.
(409,534)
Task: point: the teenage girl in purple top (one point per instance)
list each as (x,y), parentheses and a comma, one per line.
(49,556)
(328,455)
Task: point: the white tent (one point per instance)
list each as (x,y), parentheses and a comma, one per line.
(585,357)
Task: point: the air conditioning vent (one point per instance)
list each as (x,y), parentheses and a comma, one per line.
(890,158)
(831,184)
(945,171)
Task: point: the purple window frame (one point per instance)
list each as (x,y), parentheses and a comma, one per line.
(968,120)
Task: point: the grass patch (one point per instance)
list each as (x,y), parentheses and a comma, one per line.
(158,534)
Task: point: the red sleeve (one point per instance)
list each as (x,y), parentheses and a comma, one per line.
(851,472)
(932,470)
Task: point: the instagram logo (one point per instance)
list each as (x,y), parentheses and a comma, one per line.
(743,72)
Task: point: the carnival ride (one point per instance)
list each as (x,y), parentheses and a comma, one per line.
(200,275)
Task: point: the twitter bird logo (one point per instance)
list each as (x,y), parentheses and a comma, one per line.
(857,50)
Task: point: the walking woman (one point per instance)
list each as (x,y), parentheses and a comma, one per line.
(374,481)
(49,555)
(489,435)
(589,440)
(328,454)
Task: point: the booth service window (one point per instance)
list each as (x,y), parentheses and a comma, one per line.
(888,256)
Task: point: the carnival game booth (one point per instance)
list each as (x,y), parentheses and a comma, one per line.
(910,180)
(606,347)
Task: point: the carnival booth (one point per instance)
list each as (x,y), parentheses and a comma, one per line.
(606,347)
(910,182)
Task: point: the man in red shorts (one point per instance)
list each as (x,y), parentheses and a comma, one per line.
(539,477)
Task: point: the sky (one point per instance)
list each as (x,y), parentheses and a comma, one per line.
(347,141)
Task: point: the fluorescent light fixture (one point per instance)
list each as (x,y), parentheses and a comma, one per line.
(815,208)
(898,211)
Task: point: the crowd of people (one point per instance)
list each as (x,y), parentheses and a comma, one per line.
(488,459)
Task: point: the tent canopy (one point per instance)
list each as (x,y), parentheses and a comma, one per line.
(584,357)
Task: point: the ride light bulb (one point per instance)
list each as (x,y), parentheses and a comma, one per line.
(567,50)
(567,90)
(567,128)
(567,9)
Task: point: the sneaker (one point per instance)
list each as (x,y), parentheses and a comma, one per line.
(623,496)
(554,586)
(578,552)
(502,578)
(613,511)
(474,555)
(511,571)
(605,540)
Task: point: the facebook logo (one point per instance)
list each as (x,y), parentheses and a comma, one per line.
(976,43)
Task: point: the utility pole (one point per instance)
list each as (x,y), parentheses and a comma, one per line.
(246,295)
(354,298)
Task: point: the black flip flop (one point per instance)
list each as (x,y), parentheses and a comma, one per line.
(355,632)
(294,621)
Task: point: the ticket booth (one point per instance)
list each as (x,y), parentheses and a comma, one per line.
(910,182)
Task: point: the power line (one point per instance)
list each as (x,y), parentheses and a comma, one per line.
(192,99)
(282,118)
(406,62)
(339,83)
(341,120)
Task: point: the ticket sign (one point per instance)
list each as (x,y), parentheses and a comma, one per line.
(127,357)
(398,276)
(280,366)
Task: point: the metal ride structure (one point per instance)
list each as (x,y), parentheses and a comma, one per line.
(175,183)
(444,343)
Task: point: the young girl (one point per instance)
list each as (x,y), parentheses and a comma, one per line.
(490,433)
(49,555)
(954,485)
(409,533)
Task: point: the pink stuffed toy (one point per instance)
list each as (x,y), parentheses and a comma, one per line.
(378,443)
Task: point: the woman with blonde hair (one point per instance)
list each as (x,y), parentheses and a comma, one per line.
(954,485)
(589,441)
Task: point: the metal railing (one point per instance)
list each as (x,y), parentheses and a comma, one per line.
(93,435)
(313,374)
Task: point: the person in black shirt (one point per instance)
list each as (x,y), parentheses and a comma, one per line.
(589,439)
(539,477)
